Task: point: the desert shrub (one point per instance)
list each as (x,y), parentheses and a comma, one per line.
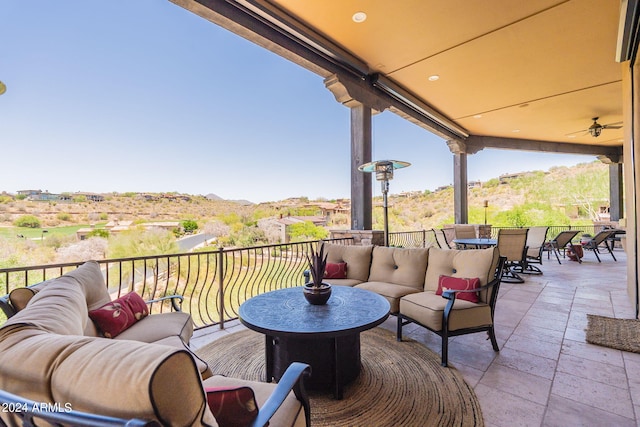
(99,232)
(28,221)
(64,216)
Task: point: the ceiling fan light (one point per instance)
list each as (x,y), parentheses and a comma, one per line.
(595,131)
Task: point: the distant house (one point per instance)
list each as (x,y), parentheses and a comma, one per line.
(327,208)
(94,197)
(474,184)
(443,187)
(39,195)
(504,178)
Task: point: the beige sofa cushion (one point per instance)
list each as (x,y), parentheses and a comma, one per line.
(404,267)
(89,277)
(390,291)
(358,259)
(470,263)
(130,379)
(290,413)
(158,326)
(427,309)
(59,308)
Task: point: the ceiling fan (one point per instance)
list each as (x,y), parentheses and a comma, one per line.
(596,128)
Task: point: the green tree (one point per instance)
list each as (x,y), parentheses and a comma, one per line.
(189,225)
(307,230)
(99,232)
(28,221)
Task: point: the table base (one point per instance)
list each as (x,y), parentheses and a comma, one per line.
(334,362)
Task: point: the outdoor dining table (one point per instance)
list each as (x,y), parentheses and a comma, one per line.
(476,243)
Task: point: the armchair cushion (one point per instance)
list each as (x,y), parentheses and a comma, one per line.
(20,297)
(232,406)
(290,413)
(459,284)
(480,263)
(427,308)
(158,326)
(118,315)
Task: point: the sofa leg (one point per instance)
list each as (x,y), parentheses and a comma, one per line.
(399,328)
(445,351)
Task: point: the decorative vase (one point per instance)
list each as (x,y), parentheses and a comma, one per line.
(317,295)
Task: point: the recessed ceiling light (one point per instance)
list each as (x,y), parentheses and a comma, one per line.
(359,17)
(515,130)
(477,116)
(571,136)
(434,77)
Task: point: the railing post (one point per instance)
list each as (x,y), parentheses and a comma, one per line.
(221,285)
(424,238)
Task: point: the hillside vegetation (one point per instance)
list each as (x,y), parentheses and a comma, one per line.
(560,196)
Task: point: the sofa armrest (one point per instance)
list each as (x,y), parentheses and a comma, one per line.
(60,414)
(293,379)
(176,301)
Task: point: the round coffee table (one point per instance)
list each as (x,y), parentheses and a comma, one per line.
(327,337)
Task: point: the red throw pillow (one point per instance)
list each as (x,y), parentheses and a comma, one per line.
(232,407)
(118,315)
(335,270)
(459,284)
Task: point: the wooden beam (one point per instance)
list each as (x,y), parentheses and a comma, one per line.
(476,143)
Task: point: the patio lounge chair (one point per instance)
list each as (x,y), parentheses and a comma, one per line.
(512,244)
(560,243)
(595,243)
(535,245)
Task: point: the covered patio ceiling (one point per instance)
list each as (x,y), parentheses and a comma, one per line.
(517,75)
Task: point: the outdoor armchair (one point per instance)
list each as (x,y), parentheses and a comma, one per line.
(512,244)
(450,314)
(596,242)
(560,243)
(536,237)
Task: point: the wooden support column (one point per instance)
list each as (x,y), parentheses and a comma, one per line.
(356,95)
(460,201)
(616,208)
(361,194)
(616,205)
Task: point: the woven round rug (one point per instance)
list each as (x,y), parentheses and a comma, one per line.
(400,383)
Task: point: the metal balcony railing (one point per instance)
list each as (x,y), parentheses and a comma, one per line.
(425,238)
(213,283)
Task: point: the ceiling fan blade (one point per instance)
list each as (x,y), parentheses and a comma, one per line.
(616,125)
(582,132)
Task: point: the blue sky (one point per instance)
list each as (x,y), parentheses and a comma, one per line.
(145,96)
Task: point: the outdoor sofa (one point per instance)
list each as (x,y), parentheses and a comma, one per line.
(409,279)
(52,353)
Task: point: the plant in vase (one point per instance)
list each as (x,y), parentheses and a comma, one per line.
(316,292)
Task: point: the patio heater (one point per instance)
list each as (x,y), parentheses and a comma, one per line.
(384,173)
